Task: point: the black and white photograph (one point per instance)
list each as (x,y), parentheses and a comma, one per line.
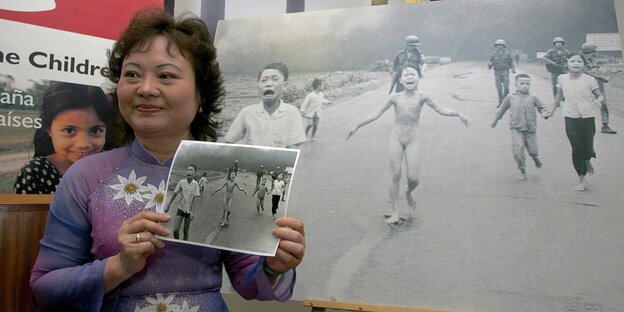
(452,157)
(227,196)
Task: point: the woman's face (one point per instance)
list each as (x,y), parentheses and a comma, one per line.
(157,93)
(77,133)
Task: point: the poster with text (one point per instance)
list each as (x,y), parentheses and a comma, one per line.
(51,51)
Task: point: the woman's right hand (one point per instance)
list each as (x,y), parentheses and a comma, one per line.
(137,240)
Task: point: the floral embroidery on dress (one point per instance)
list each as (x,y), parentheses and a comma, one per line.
(156,196)
(130,188)
(186,308)
(162,304)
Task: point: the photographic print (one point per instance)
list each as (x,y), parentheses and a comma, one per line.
(417,186)
(227,196)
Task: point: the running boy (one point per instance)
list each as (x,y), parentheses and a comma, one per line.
(312,106)
(404,136)
(522,122)
(229,185)
(189,188)
(262,190)
(202,183)
(271,122)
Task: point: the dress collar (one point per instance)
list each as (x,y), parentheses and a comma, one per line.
(144,155)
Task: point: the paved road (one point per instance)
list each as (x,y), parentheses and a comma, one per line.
(247,230)
(480,240)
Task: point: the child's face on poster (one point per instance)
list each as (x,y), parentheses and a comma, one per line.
(271,84)
(190,171)
(77,133)
(576,64)
(409,78)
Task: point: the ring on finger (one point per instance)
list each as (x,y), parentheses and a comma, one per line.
(138,238)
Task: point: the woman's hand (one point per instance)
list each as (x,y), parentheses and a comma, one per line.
(137,241)
(291,248)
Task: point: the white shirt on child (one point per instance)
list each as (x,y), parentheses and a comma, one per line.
(578,95)
(278,187)
(187,191)
(313,104)
(254,126)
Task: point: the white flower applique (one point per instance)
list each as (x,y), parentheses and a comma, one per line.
(156,196)
(130,188)
(159,304)
(186,308)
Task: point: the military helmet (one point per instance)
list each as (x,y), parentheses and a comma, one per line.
(412,40)
(500,42)
(588,47)
(558,39)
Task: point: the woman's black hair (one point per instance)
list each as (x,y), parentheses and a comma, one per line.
(190,35)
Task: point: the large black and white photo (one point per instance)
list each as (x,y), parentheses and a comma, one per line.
(417,209)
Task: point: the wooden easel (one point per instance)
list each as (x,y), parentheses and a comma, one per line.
(322,305)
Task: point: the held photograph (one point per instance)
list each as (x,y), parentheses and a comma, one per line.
(227,196)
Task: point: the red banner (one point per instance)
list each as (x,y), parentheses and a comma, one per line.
(102,18)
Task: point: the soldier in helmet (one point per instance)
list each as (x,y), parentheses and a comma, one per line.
(232,169)
(593,69)
(259,175)
(410,55)
(556,59)
(502,62)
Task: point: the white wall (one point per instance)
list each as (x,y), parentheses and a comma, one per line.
(183,6)
(312,5)
(253,8)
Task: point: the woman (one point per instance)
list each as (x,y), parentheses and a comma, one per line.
(100,250)
(75,119)
(582,98)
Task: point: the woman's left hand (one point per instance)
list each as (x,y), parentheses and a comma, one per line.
(291,247)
